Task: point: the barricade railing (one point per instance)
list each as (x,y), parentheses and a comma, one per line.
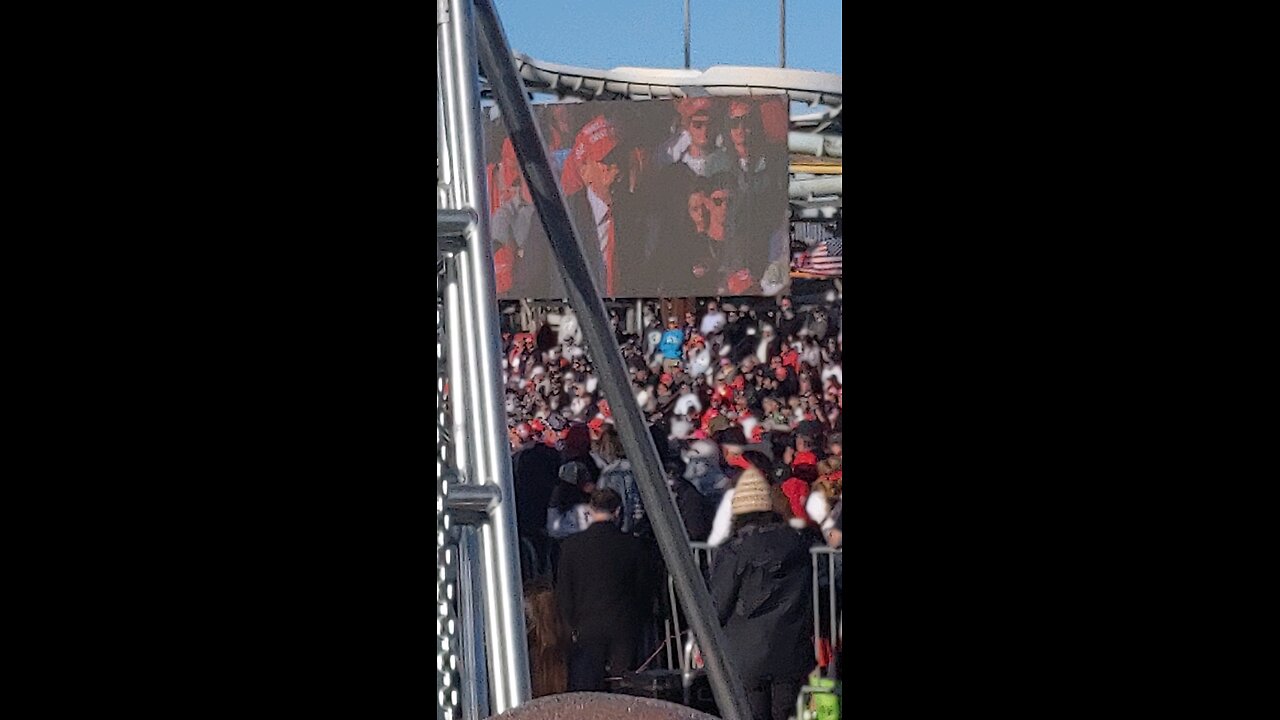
(828,564)
(680,650)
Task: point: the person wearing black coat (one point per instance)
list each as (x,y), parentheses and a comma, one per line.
(696,511)
(761,583)
(535,474)
(605,589)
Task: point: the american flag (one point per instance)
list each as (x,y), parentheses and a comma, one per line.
(824,259)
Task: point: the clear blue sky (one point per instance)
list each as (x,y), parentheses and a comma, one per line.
(650,33)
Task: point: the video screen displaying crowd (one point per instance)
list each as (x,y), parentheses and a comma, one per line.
(745,406)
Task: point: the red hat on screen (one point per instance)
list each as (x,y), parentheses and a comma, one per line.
(596,424)
(689,107)
(804,458)
(594,142)
(510,168)
(665,379)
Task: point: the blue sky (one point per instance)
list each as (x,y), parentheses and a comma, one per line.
(650,33)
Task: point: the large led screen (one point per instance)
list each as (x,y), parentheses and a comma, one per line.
(670,198)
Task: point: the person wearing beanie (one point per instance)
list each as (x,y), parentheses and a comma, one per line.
(755,467)
(760,585)
(751,495)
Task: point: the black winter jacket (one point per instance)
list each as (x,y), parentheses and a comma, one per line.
(762,584)
(607,582)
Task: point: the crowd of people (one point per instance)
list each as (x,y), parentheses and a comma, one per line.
(744,404)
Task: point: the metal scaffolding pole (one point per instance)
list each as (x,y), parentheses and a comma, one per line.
(479,420)
(517,116)
(782,33)
(686,34)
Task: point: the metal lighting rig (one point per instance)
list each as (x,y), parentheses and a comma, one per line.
(481,657)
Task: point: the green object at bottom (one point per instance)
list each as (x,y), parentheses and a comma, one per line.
(826,706)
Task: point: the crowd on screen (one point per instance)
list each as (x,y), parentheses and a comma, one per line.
(744,404)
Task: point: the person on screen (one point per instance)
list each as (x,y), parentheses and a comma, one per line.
(694,142)
(513,227)
(590,179)
(744,138)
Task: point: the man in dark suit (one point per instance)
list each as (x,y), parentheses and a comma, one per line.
(605,589)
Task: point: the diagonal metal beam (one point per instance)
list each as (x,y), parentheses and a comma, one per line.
(517,115)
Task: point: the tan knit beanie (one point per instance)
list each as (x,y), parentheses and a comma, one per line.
(751,494)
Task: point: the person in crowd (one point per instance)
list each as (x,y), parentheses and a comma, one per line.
(703,469)
(606,584)
(690,326)
(618,476)
(535,472)
(713,321)
(672,346)
(696,510)
(735,448)
(798,487)
(761,586)
(567,511)
(548,639)
(835,536)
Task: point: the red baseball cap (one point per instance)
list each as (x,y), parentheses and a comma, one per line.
(594,141)
(688,107)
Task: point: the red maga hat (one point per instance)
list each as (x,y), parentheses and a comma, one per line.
(688,107)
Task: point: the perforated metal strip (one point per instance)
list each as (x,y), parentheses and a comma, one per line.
(447,660)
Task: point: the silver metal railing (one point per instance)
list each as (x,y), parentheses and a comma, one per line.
(827,563)
(831,560)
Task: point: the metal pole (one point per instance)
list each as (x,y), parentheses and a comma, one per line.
(503,605)
(475,687)
(686,34)
(817,605)
(517,116)
(782,33)
(831,596)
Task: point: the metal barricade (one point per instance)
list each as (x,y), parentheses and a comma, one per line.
(829,560)
(681,650)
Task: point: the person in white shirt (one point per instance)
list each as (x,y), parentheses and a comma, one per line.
(713,321)
(687,401)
